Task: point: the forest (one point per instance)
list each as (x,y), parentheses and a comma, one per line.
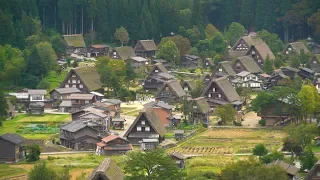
(31,41)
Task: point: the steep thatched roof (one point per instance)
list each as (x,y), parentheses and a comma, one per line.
(75,40)
(249,64)
(202,104)
(125,52)
(107,170)
(297,47)
(264,50)
(148,45)
(226,65)
(90,77)
(174,86)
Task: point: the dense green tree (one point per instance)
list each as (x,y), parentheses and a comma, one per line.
(218,44)
(185,16)
(6,29)
(244,93)
(226,113)
(273,156)
(33,152)
(170,52)
(3,107)
(268,66)
(262,100)
(294,61)
(309,99)
(58,44)
(272,40)
(47,56)
(197,91)
(235,31)
(155,164)
(41,171)
(301,134)
(260,150)
(246,13)
(308,158)
(121,35)
(183,44)
(211,31)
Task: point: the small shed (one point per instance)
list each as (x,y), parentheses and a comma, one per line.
(36,108)
(107,170)
(149,144)
(178,134)
(179,159)
(118,123)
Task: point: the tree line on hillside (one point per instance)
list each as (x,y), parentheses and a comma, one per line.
(146,19)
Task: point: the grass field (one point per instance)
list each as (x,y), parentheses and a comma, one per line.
(231,141)
(130,111)
(55,80)
(9,171)
(13,125)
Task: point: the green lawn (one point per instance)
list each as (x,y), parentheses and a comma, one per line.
(56,80)
(11,126)
(8,171)
(316,149)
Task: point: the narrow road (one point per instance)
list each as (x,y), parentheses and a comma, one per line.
(67,152)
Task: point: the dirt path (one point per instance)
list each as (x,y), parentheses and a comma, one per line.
(251,119)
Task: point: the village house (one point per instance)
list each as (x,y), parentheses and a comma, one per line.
(171,92)
(117,123)
(306,73)
(178,134)
(276,113)
(145,48)
(122,53)
(165,63)
(260,52)
(137,62)
(163,111)
(75,44)
(112,145)
(314,63)
(86,79)
(114,105)
(246,79)
(276,79)
(200,111)
(290,72)
(36,108)
(242,46)
(79,135)
(189,61)
(208,63)
(12,148)
(179,159)
(75,102)
(93,109)
(156,78)
(224,68)
(60,94)
(295,48)
(316,49)
(206,78)
(98,50)
(38,95)
(107,170)
(291,170)
(188,86)
(314,173)
(220,91)
(97,118)
(246,63)
(147,126)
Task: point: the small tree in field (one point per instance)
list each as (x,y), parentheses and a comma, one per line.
(226,113)
(122,35)
(260,150)
(33,152)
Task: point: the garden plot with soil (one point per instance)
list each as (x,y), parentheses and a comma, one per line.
(230,141)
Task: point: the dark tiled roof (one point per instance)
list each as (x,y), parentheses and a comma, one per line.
(149,45)
(73,126)
(307,70)
(228,68)
(249,64)
(298,46)
(157,104)
(13,138)
(178,155)
(107,170)
(90,77)
(125,52)
(165,75)
(67,90)
(65,104)
(290,169)
(111,138)
(290,69)
(75,40)
(152,118)
(175,86)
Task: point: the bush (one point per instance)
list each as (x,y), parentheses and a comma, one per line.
(262,122)
(237,123)
(33,152)
(50,158)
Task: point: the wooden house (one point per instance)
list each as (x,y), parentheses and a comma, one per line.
(246,63)
(189,61)
(118,123)
(306,73)
(163,111)
(224,68)
(276,113)
(165,63)
(208,63)
(178,134)
(170,92)
(314,63)
(61,94)
(123,53)
(314,173)
(107,170)
(179,159)
(220,91)
(98,50)
(149,144)
(241,47)
(188,86)
(291,170)
(75,44)
(99,112)
(206,78)
(137,62)
(316,49)
(114,105)
(79,135)
(36,108)
(12,148)
(156,77)
(259,52)
(277,78)
(200,111)
(246,79)
(295,48)
(145,48)
(37,96)
(112,145)
(290,72)
(146,126)
(86,79)
(75,102)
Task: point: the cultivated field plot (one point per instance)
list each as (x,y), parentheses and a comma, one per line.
(231,141)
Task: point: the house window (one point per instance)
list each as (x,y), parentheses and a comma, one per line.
(318,173)
(209,95)
(147,63)
(77,101)
(194,107)
(219,95)
(114,53)
(66,86)
(143,122)
(69,81)
(81,86)
(36,97)
(287,52)
(259,60)
(139,129)
(167,88)
(74,86)
(185,88)
(214,89)
(74,81)
(156,70)
(73,75)
(147,129)
(290,49)
(238,64)
(87,101)
(253,52)
(207,63)
(314,62)
(220,70)
(78,81)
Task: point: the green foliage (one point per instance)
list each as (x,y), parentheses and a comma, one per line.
(170,52)
(244,93)
(260,150)
(183,44)
(272,40)
(43,172)
(58,44)
(309,99)
(262,100)
(33,152)
(197,91)
(308,158)
(294,61)
(234,33)
(262,122)
(3,106)
(268,66)
(155,164)
(226,113)
(75,64)
(301,134)
(121,35)
(44,84)
(273,156)
(251,169)
(211,31)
